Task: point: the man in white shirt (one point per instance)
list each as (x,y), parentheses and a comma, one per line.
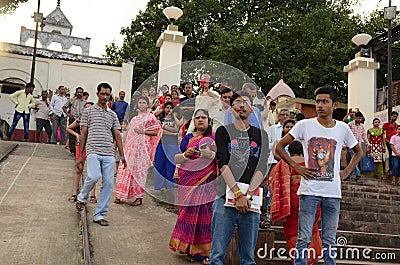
(60,117)
(322,139)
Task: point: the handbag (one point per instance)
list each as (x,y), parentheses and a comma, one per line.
(367,164)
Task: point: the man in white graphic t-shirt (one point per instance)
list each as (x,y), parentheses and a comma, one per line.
(322,138)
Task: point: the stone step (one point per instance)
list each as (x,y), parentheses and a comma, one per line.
(369,217)
(382,209)
(369,181)
(368,227)
(371,195)
(369,201)
(352,254)
(356,238)
(386,189)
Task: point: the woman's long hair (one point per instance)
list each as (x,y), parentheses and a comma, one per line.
(162,115)
(209,128)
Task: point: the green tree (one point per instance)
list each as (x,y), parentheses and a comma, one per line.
(9,6)
(309,40)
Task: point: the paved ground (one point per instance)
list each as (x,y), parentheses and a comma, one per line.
(39,225)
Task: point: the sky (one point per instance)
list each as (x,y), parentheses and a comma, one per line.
(99,20)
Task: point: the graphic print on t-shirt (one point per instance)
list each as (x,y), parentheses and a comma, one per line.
(241,148)
(321,155)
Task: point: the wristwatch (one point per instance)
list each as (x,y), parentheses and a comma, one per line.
(248,196)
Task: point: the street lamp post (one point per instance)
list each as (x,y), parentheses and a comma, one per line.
(38,18)
(389,14)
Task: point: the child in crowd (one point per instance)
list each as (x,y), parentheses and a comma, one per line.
(395,145)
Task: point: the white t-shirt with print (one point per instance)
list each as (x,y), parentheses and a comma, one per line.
(322,147)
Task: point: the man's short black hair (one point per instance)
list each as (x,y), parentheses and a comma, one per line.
(78,88)
(394,113)
(103,85)
(226,90)
(359,114)
(30,85)
(272,103)
(327,90)
(240,94)
(85,93)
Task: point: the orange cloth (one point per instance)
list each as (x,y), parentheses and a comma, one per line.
(279,185)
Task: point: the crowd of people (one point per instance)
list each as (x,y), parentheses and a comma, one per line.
(224,154)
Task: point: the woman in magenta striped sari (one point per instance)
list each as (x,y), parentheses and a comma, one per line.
(196,191)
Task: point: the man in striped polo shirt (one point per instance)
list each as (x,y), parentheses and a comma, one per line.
(100,126)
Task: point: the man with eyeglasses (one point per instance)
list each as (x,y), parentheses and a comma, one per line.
(242,155)
(255,116)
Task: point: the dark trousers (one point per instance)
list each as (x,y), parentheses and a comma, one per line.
(389,148)
(17,116)
(72,138)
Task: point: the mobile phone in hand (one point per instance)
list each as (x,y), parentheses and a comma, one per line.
(203,146)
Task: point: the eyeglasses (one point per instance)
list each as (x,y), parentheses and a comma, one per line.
(239,102)
(200,117)
(226,97)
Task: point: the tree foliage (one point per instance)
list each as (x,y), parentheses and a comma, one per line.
(309,40)
(9,6)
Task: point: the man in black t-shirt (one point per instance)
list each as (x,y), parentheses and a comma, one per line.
(242,153)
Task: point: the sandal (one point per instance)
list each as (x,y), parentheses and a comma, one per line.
(102,222)
(265,224)
(72,199)
(137,202)
(80,205)
(206,261)
(93,199)
(190,258)
(117,200)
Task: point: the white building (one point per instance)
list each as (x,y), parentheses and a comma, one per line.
(54,68)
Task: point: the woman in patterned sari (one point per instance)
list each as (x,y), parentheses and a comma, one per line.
(196,191)
(142,138)
(376,138)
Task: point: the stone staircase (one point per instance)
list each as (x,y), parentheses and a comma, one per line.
(369,224)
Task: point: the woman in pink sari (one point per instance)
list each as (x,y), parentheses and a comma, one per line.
(142,138)
(196,191)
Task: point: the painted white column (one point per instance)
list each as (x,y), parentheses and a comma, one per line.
(171,43)
(361,90)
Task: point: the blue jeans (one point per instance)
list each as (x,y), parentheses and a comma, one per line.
(223,225)
(17,116)
(356,170)
(395,166)
(330,208)
(99,166)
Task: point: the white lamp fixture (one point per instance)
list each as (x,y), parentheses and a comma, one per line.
(361,40)
(172,13)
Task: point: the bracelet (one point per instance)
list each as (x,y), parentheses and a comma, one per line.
(212,155)
(183,154)
(241,195)
(237,192)
(144,132)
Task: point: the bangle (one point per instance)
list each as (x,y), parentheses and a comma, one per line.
(237,192)
(241,195)
(183,154)
(212,155)
(144,132)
